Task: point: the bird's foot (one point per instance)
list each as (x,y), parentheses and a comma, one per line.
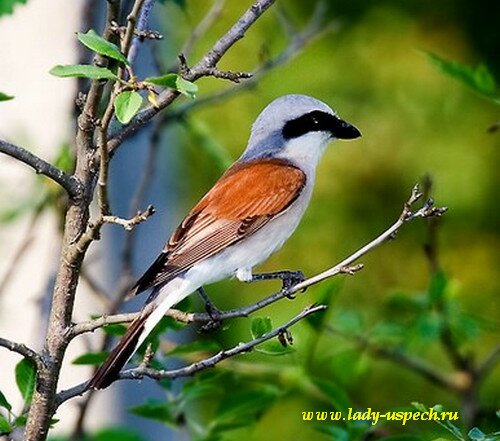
(213,312)
(288,278)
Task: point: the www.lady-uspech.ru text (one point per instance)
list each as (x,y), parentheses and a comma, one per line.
(374,416)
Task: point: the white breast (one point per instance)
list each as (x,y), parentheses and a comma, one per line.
(255,249)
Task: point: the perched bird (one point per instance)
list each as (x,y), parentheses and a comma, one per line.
(246,216)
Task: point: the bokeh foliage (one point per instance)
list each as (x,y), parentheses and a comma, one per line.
(416,122)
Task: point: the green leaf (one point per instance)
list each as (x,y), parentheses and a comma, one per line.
(21,421)
(261,326)
(4,425)
(5,97)
(4,403)
(83,71)
(91,358)
(7,6)
(479,79)
(154,410)
(102,46)
(127,104)
(25,378)
(274,348)
(115,330)
(174,81)
(196,346)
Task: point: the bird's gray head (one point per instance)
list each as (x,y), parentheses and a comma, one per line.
(296,127)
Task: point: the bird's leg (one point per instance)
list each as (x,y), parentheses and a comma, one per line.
(289,279)
(212,310)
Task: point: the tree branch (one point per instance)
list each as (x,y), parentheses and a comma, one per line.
(129,224)
(68,182)
(143,371)
(427,210)
(23,350)
(297,42)
(344,267)
(202,68)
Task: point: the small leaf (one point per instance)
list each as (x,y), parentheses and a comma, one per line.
(115,330)
(4,403)
(196,346)
(104,47)
(83,71)
(176,82)
(261,326)
(5,97)
(21,421)
(91,358)
(127,104)
(274,348)
(186,87)
(4,425)
(25,378)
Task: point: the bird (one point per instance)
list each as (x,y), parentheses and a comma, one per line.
(246,216)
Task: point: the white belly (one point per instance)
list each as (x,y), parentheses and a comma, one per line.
(253,250)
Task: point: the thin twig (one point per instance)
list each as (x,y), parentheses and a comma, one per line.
(344,267)
(129,224)
(210,60)
(140,29)
(68,182)
(191,369)
(428,210)
(23,350)
(311,32)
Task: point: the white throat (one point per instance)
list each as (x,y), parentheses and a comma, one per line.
(306,151)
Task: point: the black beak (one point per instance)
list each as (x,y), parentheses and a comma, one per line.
(344,130)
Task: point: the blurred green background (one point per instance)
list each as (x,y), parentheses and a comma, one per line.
(415,121)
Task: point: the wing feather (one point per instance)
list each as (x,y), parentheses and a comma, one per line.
(244,199)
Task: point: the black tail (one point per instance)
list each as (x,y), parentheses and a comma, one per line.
(108,372)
